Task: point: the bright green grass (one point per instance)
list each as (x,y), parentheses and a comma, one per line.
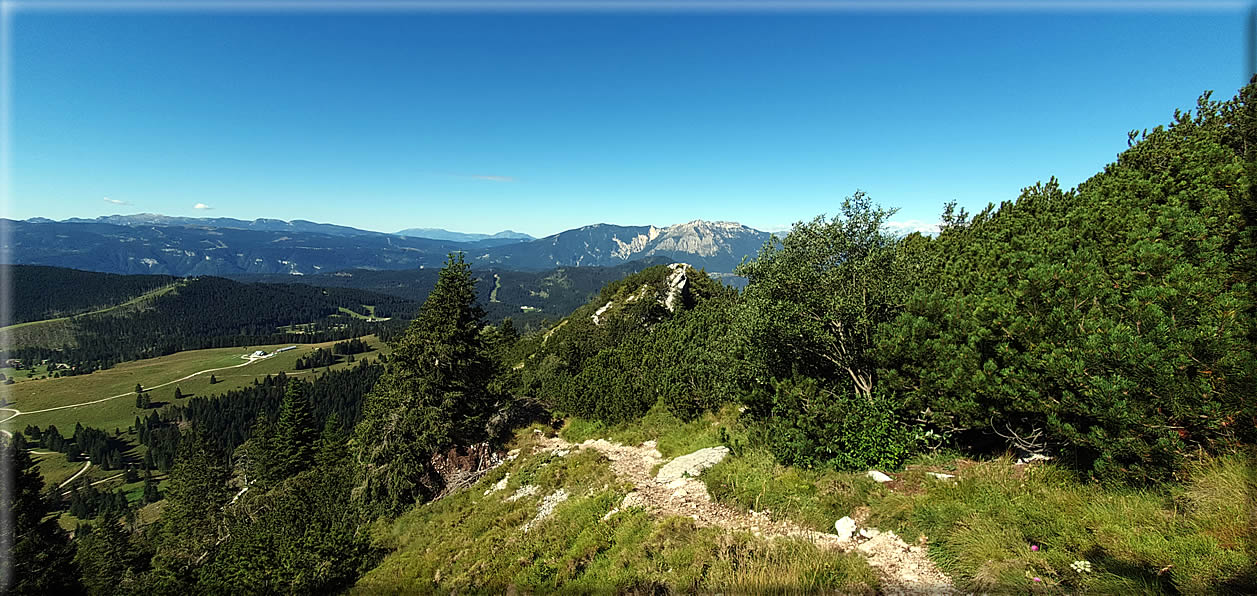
(54,468)
(675,437)
(120,380)
(351,313)
(470,542)
(25,374)
(1184,539)
(1196,537)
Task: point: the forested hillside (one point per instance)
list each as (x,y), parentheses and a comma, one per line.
(528,298)
(1104,334)
(206,312)
(49,292)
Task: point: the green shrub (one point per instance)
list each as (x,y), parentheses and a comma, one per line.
(1114,321)
(812,426)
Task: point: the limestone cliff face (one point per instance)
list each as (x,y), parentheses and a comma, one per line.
(715,246)
(636,244)
(702,238)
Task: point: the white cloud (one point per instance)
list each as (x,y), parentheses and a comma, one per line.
(912,225)
(493,178)
(116,201)
(201,206)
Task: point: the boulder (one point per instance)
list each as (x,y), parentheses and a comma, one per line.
(879,477)
(691,465)
(844,528)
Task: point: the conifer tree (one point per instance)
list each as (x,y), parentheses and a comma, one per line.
(191,518)
(38,554)
(103,556)
(331,443)
(295,431)
(434,395)
(151,494)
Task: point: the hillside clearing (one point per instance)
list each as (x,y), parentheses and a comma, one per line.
(104,399)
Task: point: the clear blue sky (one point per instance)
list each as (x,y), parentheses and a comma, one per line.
(542,122)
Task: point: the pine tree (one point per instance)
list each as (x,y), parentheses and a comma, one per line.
(103,556)
(213,380)
(434,395)
(191,518)
(178,394)
(331,443)
(295,431)
(39,556)
(151,494)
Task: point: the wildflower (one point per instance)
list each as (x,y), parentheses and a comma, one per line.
(1081,566)
(1037,579)
(1034,547)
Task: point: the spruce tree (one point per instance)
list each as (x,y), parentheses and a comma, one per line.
(295,431)
(39,557)
(151,494)
(434,395)
(332,441)
(103,556)
(192,516)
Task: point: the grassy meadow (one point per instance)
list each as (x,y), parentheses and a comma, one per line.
(119,412)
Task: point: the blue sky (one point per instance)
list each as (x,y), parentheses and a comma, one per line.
(540,122)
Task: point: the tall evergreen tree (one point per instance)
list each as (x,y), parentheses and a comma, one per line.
(39,557)
(435,394)
(151,494)
(191,520)
(107,558)
(296,432)
(332,441)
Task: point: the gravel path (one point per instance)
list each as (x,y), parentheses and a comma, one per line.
(904,568)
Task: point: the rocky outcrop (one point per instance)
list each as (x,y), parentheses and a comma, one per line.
(677,282)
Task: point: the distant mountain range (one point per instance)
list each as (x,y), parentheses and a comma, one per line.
(439,234)
(279,225)
(717,246)
(180,246)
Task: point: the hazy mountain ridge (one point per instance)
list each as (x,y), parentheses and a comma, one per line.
(715,246)
(153,244)
(443,234)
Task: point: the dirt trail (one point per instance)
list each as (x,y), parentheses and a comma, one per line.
(904,568)
(86,465)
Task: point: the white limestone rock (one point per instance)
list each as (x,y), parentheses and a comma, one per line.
(879,477)
(844,528)
(691,465)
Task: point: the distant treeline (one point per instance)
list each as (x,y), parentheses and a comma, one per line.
(212,312)
(48,292)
